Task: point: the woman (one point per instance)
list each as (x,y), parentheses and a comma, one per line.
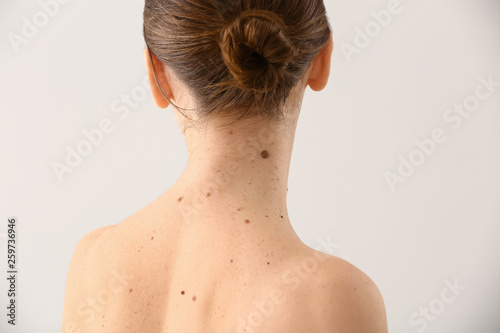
(217,252)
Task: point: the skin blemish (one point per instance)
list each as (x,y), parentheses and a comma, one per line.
(130,290)
(239,209)
(152,238)
(180,199)
(208,194)
(231,260)
(183,292)
(267,216)
(268,262)
(247,221)
(265,154)
(194,298)
(281,216)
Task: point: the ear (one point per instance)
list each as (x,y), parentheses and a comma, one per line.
(320,72)
(160,100)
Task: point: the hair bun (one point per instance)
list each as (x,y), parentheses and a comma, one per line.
(256,50)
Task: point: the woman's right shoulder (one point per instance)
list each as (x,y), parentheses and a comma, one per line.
(343,297)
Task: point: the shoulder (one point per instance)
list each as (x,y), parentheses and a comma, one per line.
(76,281)
(86,242)
(342,298)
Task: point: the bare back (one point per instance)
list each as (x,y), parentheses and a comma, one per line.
(146,275)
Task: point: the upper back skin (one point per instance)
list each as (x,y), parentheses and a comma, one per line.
(148,274)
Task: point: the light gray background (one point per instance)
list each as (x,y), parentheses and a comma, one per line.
(443,223)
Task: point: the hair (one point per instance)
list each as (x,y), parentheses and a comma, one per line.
(238,58)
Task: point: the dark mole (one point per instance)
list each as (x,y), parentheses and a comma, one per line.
(247,221)
(281,216)
(194,298)
(264,154)
(180,199)
(268,263)
(208,194)
(182,292)
(130,290)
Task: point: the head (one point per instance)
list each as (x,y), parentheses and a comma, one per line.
(236,59)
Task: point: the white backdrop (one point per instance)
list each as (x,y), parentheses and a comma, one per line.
(396,163)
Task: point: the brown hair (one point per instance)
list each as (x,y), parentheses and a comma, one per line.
(239,58)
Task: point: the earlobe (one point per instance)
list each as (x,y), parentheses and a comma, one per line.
(320,72)
(160,100)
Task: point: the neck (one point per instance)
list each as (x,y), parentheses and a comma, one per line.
(239,171)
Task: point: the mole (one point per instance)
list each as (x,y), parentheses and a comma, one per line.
(152,238)
(194,298)
(247,221)
(130,290)
(183,292)
(268,262)
(264,154)
(208,194)
(231,260)
(281,216)
(180,199)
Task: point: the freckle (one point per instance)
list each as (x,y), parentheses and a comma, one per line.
(130,290)
(230,132)
(239,209)
(264,154)
(138,250)
(102,325)
(267,216)
(355,289)
(208,194)
(183,292)
(249,183)
(247,221)
(180,199)
(103,316)
(194,298)
(231,260)
(152,238)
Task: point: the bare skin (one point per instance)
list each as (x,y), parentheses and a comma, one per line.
(217,252)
